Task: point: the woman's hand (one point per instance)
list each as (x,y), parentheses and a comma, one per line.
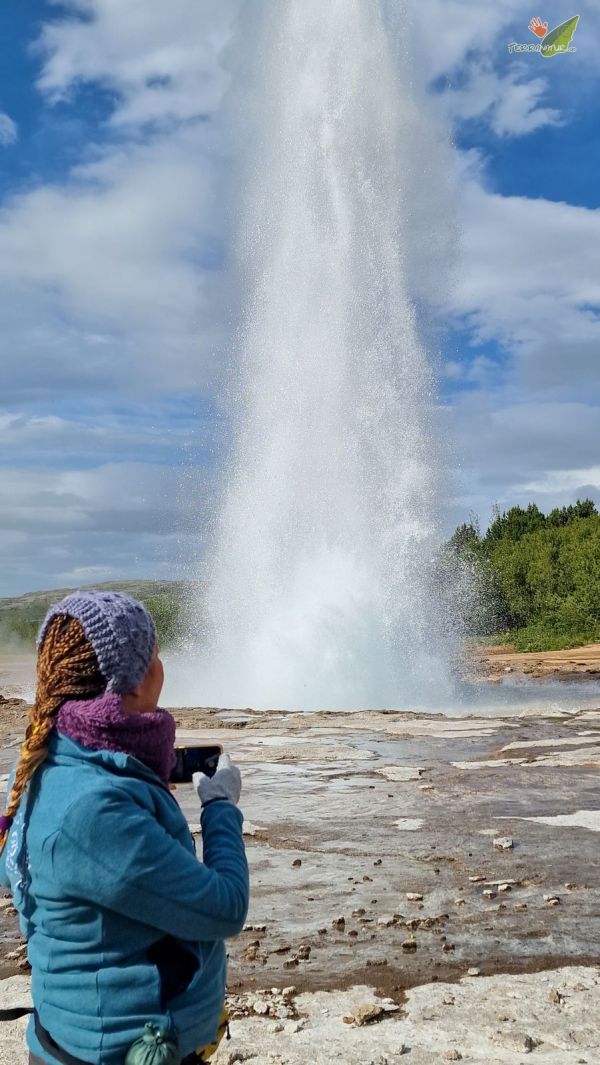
(226,783)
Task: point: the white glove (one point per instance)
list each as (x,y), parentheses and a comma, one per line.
(226,783)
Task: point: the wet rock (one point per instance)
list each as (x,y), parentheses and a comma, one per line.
(413,896)
(503,843)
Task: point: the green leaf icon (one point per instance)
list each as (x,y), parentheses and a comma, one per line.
(559,39)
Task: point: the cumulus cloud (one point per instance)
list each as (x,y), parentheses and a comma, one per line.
(510,102)
(8,129)
(159,59)
(120,518)
(530,279)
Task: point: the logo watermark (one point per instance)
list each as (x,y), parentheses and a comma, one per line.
(550,44)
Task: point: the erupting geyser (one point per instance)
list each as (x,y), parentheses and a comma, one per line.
(321,588)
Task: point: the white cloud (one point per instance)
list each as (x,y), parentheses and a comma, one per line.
(121,519)
(510,102)
(161,59)
(8,129)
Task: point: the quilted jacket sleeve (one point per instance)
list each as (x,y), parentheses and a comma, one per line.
(111,851)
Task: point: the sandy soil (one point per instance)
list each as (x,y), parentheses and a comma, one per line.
(347,815)
(495,663)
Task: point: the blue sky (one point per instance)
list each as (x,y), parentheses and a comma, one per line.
(115,328)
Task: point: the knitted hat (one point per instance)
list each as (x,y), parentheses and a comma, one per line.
(120,630)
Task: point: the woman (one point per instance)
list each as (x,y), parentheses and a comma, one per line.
(125,926)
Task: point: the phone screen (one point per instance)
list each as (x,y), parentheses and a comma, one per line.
(192,760)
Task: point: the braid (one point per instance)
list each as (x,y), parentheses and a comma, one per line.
(67,668)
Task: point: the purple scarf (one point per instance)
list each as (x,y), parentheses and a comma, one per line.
(103,725)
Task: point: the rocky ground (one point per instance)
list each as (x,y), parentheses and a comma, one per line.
(424,888)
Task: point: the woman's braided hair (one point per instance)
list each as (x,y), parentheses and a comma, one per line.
(67,668)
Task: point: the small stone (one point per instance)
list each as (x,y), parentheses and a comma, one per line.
(476,879)
(377,861)
(368,878)
(261,1008)
(289,992)
(303,951)
(353,933)
(297,862)
(339,923)
(413,896)
(551,900)
(425,787)
(386,922)
(322,931)
(570,887)
(448,1000)
(488,893)
(520,906)
(448,946)
(555,996)
(452,1055)
(473,971)
(503,843)
(504,888)
(279,1027)
(291,963)
(367,1014)
(409,946)
(358,913)
(255,928)
(459,902)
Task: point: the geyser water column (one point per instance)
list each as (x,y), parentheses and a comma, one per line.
(321,592)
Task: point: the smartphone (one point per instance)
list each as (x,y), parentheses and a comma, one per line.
(192,760)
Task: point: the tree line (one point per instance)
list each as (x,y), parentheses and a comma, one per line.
(536,576)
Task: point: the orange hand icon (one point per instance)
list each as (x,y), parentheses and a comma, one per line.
(538,27)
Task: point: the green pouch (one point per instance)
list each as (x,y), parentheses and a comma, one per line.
(155,1047)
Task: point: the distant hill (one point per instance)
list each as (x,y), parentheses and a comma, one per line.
(21,616)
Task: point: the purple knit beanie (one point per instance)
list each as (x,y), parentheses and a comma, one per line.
(120,630)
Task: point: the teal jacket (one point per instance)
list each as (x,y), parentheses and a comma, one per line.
(124,923)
